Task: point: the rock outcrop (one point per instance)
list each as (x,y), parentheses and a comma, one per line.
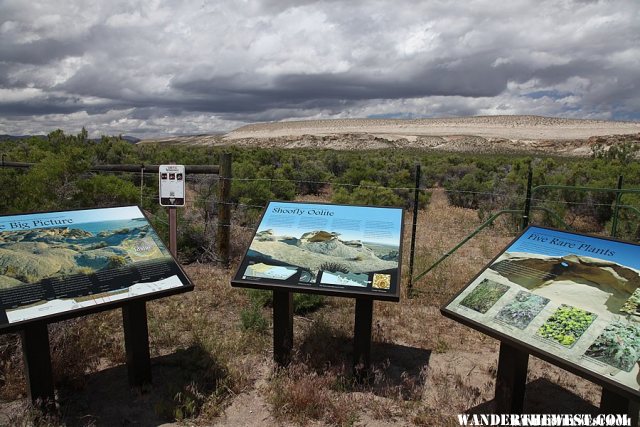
(28,256)
(538,272)
(316,248)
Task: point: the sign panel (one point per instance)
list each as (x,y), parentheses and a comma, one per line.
(171,185)
(60,262)
(572,298)
(326,248)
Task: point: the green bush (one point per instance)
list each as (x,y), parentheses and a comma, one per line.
(302,303)
(253,320)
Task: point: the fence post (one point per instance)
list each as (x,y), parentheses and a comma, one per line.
(416,203)
(616,208)
(527,200)
(224,208)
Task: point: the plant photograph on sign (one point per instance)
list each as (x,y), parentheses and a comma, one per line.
(618,346)
(631,306)
(566,325)
(521,311)
(381,281)
(484,296)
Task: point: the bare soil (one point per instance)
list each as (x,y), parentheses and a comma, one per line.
(427,368)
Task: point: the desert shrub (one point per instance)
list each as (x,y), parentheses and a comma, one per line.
(310,177)
(624,152)
(204,383)
(252,319)
(194,242)
(12,382)
(302,303)
(367,193)
(105,190)
(302,395)
(306,303)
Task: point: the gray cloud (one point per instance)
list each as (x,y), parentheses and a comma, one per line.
(181,67)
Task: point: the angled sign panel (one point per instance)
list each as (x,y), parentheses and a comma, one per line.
(326,248)
(60,263)
(569,298)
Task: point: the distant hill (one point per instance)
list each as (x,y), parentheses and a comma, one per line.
(17,137)
(535,134)
(131,139)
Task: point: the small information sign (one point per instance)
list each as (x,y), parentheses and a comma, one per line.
(568,298)
(325,248)
(171,178)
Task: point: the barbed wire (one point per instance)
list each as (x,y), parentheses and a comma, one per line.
(211,199)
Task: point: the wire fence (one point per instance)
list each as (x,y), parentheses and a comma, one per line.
(538,207)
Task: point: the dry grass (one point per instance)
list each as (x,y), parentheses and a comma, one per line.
(426,368)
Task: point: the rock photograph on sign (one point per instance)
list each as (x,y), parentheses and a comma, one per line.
(326,246)
(571,296)
(56,262)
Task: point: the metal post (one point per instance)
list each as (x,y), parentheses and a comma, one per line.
(136,343)
(173,231)
(224,208)
(511,380)
(527,201)
(416,202)
(613,403)
(616,208)
(141,184)
(37,364)
(282,326)
(362,338)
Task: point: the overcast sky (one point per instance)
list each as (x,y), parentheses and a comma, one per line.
(151,68)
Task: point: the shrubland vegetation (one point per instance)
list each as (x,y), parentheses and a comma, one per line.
(62,180)
(211,345)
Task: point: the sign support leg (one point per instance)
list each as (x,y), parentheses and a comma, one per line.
(282,327)
(37,363)
(613,403)
(511,380)
(362,337)
(173,231)
(136,343)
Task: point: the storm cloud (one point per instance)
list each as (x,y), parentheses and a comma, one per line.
(173,67)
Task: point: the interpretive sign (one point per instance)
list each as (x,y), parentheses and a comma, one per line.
(326,248)
(566,297)
(171,185)
(57,263)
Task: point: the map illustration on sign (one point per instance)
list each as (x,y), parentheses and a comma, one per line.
(325,246)
(56,262)
(573,297)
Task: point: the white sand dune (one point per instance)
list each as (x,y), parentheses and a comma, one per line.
(508,127)
(569,137)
